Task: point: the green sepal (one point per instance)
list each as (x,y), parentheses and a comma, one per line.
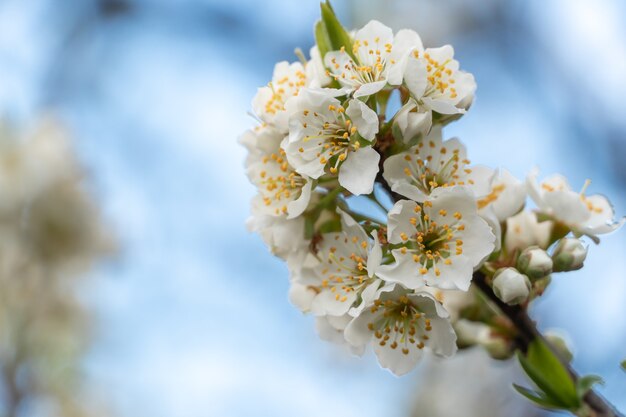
(550,376)
(585,383)
(537,397)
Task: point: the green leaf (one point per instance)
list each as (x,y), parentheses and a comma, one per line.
(585,383)
(537,397)
(623,364)
(321,38)
(549,374)
(337,35)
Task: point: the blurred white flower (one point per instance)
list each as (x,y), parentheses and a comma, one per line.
(589,215)
(506,196)
(524,230)
(345,273)
(287,81)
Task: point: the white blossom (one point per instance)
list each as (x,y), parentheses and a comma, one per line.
(590,215)
(322,134)
(400,325)
(378,59)
(506,196)
(345,273)
(524,230)
(438,242)
(287,81)
(435,81)
(434,163)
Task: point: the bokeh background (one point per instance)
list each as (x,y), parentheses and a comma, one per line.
(191,318)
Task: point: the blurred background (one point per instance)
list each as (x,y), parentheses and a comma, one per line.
(182,313)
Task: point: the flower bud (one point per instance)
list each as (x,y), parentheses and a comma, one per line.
(569,255)
(511,286)
(535,262)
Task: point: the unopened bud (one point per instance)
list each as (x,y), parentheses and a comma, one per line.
(535,262)
(569,255)
(511,286)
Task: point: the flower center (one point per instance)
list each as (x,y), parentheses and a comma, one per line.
(401,325)
(345,273)
(279,183)
(432,242)
(428,173)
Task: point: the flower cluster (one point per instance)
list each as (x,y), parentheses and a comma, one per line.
(399,281)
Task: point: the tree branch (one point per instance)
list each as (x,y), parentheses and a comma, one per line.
(527,332)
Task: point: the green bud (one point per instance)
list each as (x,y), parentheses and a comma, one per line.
(511,286)
(569,255)
(535,262)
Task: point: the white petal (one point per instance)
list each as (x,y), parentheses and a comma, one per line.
(297,207)
(396,361)
(375,256)
(326,303)
(399,220)
(357,333)
(404,271)
(370,88)
(358,171)
(441,106)
(301,296)
(415,77)
(365,119)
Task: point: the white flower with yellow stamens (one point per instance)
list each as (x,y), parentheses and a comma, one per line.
(435,81)
(506,196)
(438,242)
(345,275)
(323,134)
(377,59)
(287,81)
(399,326)
(432,164)
(282,191)
(588,215)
